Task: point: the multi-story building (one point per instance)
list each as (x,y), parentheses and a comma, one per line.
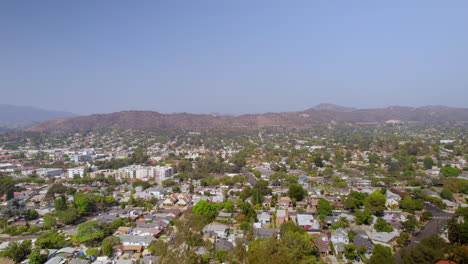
(158,173)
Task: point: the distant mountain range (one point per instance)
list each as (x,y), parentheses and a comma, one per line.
(13,117)
(321,114)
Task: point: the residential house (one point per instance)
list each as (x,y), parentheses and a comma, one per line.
(308,222)
(282,216)
(129,240)
(217,229)
(323,247)
(265,232)
(339,238)
(363,241)
(284,202)
(264,218)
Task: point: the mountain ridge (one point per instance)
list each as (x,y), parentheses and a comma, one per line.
(15,116)
(324,114)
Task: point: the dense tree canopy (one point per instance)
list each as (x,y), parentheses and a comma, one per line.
(324,207)
(296,192)
(375,202)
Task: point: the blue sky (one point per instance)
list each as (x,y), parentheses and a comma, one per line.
(232,56)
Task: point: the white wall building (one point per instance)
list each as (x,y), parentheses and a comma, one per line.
(75,171)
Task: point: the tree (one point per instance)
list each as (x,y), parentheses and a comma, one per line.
(69,216)
(429,251)
(61,203)
(205,209)
(351,234)
(381,255)
(36,257)
(426,215)
(32,214)
(92,252)
(363,217)
(462,211)
(49,221)
(354,200)
(350,251)
(407,204)
(382,226)
(428,163)
(449,171)
(90,233)
(375,203)
(176,189)
(158,248)
(83,203)
(10,194)
(52,239)
(324,208)
(402,238)
(291,227)
(108,243)
(410,224)
(139,156)
(342,223)
(447,194)
(458,232)
(168,182)
(296,192)
(17,251)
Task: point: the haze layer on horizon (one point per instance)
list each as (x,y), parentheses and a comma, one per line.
(232,56)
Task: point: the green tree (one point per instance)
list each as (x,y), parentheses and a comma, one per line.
(61,203)
(382,226)
(32,214)
(36,257)
(375,203)
(342,223)
(108,243)
(428,163)
(90,233)
(49,221)
(158,248)
(324,208)
(52,239)
(458,232)
(350,251)
(462,211)
(354,200)
(363,217)
(205,209)
(92,252)
(449,171)
(407,204)
(429,251)
(69,216)
(410,224)
(426,215)
(10,194)
(402,238)
(83,203)
(17,251)
(139,156)
(447,194)
(296,192)
(381,255)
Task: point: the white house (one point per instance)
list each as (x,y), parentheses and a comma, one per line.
(340,236)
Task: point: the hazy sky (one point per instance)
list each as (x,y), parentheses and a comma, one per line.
(232,56)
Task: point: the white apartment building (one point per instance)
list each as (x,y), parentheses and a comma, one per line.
(158,173)
(75,171)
